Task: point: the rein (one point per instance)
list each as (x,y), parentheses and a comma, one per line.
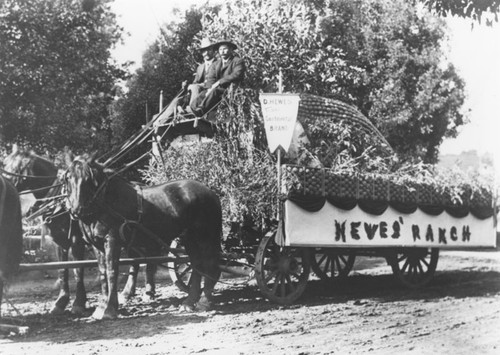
(27,176)
(40,189)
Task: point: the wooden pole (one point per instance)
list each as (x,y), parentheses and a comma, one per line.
(278,160)
(92,263)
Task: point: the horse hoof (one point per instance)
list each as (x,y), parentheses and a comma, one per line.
(124,298)
(203,305)
(186,308)
(148,296)
(57,311)
(78,310)
(110,315)
(98,313)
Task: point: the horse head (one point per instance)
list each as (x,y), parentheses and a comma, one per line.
(85,182)
(28,171)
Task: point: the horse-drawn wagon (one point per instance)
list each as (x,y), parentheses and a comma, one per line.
(323,219)
(326,218)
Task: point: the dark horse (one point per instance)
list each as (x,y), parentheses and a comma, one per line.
(11,233)
(29,171)
(186,209)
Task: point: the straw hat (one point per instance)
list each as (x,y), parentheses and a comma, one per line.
(226,42)
(205,44)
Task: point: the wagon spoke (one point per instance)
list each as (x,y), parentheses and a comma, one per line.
(405,265)
(185,271)
(276,284)
(292,287)
(343,258)
(339,266)
(328,263)
(322,258)
(282,286)
(270,276)
(420,268)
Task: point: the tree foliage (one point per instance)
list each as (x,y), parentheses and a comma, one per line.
(56,73)
(165,65)
(381,56)
(474,9)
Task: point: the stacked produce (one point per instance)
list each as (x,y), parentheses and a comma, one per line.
(301,182)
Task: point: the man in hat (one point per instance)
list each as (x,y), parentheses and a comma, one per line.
(228,69)
(200,78)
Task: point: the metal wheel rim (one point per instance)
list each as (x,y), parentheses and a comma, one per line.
(180,272)
(281,272)
(415,267)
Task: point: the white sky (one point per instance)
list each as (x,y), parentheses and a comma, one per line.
(475,52)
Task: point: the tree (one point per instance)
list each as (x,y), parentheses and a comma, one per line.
(474,9)
(165,64)
(56,74)
(380,56)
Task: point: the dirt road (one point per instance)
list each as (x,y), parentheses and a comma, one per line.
(458,313)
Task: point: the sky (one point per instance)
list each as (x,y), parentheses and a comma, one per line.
(475,52)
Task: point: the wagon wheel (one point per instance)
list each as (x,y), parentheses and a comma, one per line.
(281,272)
(332,264)
(179,270)
(414,267)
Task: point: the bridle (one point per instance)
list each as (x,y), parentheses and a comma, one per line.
(96,199)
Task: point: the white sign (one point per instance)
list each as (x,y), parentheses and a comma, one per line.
(280,114)
(335,227)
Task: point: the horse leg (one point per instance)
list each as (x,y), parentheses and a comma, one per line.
(194,292)
(78,250)
(150,280)
(129,289)
(111,258)
(63,280)
(103,278)
(194,285)
(211,275)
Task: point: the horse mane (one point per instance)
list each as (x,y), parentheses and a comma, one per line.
(20,159)
(89,166)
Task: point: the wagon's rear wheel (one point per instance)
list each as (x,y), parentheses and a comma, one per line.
(331,264)
(180,269)
(415,267)
(281,272)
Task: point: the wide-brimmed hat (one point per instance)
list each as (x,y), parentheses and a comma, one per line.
(205,44)
(226,42)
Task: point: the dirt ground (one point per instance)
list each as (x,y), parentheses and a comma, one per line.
(369,312)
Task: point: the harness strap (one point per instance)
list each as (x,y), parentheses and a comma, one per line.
(26,176)
(2,198)
(140,203)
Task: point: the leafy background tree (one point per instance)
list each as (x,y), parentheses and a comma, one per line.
(381,56)
(474,9)
(57,77)
(165,65)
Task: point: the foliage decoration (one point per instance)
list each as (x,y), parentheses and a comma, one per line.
(383,57)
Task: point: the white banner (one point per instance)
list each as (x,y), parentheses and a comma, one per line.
(280,114)
(335,227)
